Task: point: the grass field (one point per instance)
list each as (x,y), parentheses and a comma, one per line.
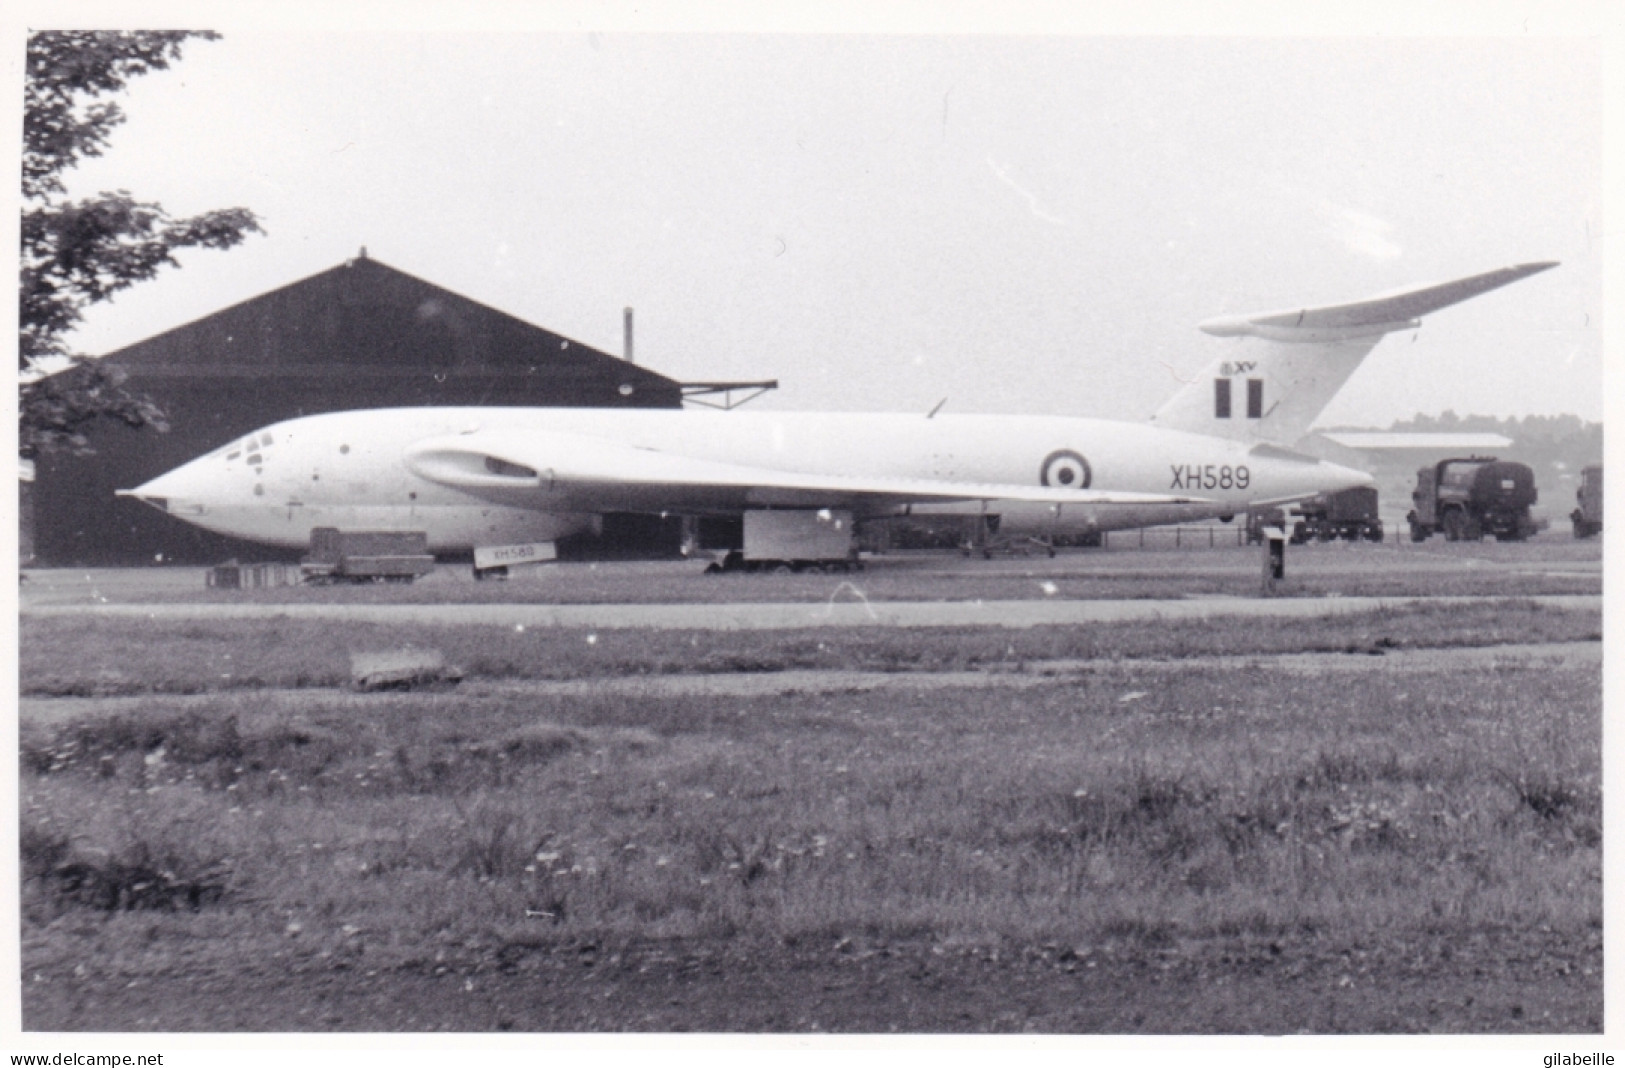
(1155,844)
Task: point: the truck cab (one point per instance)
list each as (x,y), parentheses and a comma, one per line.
(1466,498)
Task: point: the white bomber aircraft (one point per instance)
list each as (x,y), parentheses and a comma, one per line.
(505,482)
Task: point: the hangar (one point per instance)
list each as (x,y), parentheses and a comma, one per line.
(360,335)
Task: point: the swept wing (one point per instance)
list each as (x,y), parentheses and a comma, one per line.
(573,470)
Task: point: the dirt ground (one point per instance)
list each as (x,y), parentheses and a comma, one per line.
(1455,982)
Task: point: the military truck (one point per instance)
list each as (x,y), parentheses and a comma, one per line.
(366,556)
(1587,518)
(1349,514)
(1466,498)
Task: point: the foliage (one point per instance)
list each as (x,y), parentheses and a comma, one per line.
(80,252)
(57,409)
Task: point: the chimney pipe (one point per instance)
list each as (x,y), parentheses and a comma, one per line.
(629,358)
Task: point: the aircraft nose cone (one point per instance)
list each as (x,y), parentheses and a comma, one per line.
(180,491)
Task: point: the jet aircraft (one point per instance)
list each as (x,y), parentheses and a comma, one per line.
(506,483)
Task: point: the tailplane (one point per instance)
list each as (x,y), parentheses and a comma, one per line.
(1288,365)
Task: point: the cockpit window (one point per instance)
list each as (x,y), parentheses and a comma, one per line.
(251,445)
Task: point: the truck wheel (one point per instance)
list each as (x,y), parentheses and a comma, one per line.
(1453,526)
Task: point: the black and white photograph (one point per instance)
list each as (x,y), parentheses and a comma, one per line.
(541,523)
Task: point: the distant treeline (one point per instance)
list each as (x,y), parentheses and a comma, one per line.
(1536,439)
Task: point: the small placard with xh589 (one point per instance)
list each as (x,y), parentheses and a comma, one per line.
(535,552)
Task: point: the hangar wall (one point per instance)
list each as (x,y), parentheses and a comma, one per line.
(360,335)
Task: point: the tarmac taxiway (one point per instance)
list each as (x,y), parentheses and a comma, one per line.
(856,612)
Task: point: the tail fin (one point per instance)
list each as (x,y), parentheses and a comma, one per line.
(1290,364)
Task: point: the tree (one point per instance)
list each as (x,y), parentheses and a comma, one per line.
(77,253)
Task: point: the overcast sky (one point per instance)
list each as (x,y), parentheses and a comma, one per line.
(1016,223)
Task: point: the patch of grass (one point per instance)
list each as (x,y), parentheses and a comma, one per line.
(538,742)
(100,657)
(1550,799)
(1220,801)
(490,845)
(1133,809)
(1564,800)
(140,876)
(203,746)
(139,879)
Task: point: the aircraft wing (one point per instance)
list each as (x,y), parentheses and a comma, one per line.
(580,472)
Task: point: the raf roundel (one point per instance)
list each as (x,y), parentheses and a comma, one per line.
(1065,469)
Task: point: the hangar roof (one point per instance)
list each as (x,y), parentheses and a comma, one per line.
(1401,440)
(364,318)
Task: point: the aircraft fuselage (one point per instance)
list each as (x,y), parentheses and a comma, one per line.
(350,470)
